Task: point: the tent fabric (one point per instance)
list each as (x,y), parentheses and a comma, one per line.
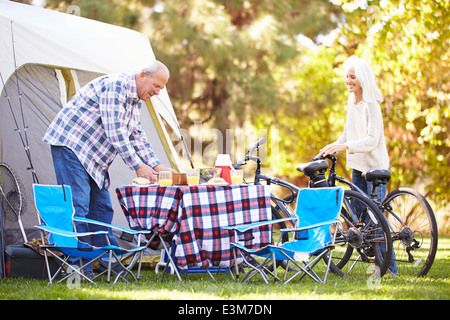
(52,38)
(53,55)
(35,35)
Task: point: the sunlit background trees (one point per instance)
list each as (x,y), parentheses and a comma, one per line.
(276,66)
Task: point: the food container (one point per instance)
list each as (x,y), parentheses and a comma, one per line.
(223,162)
(208,173)
(179,179)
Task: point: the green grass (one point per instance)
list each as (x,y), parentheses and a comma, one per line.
(435,286)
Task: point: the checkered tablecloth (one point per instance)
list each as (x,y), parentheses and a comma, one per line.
(196,217)
(148,208)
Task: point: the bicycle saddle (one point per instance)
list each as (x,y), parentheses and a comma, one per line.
(383,175)
(310,168)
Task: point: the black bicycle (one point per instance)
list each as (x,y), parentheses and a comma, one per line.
(364,239)
(410,218)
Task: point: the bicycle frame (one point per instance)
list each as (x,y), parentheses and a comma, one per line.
(284,207)
(333,177)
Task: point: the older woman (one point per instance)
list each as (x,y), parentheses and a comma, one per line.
(363,136)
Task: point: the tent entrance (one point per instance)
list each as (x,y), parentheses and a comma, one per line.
(42,91)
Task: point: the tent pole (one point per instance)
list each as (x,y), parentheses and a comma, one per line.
(2,244)
(25,144)
(188,152)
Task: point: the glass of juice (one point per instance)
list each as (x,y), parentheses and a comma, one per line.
(165,178)
(237,177)
(193,176)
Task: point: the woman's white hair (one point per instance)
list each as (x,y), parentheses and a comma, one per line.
(366,78)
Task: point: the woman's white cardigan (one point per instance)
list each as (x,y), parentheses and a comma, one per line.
(364,136)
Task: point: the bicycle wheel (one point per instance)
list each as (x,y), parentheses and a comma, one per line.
(364,240)
(414,231)
(278,213)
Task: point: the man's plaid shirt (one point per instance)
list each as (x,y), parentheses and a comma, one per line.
(101,121)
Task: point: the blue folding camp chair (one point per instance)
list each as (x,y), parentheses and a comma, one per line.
(56,219)
(311,239)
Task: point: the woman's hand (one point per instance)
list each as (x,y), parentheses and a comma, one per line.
(333,148)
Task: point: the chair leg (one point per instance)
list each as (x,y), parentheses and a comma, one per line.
(47,265)
(209,273)
(255,270)
(169,256)
(108,277)
(63,262)
(302,269)
(141,256)
(236,263)
(328,266)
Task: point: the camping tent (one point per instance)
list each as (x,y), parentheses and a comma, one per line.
(45,56)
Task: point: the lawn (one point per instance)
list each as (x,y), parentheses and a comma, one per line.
(435,286)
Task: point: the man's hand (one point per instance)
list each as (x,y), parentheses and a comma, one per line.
(150,173)
(161,167)
(147,172)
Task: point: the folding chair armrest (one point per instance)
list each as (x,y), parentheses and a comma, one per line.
(311,226)
(104,224)
(69,233)
(246,227)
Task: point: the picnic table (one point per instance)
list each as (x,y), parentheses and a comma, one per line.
(193,217)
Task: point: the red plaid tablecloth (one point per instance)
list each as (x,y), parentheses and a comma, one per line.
(196,217)
(147,208)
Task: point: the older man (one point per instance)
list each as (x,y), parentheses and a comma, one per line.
(99,122)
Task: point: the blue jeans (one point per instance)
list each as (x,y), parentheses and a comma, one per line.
(89,200)
(366,186)
(380,193)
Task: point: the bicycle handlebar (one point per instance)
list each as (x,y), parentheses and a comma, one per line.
(257,144)
(242,162)
(270,180)
(248,156)
(321,157)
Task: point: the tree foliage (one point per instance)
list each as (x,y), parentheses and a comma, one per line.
(226,55)
(239,63)
(408,44)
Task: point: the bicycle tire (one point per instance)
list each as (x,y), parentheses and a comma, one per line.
(414,230)
(364,239)
(276,214)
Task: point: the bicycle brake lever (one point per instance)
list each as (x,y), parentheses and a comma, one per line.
(318,157)
(238,165)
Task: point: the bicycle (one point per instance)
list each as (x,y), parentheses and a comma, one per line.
(365,228)
(410,218)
